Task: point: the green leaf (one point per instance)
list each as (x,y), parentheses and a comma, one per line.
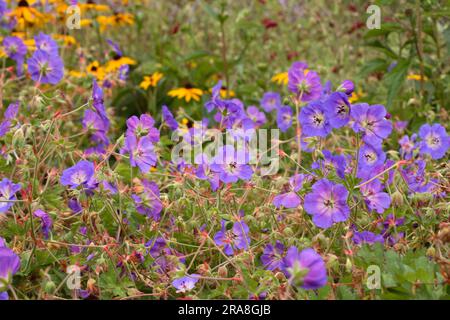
(374,66)
(395,80)
(386,28)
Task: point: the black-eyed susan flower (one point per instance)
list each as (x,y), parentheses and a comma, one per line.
(26,15)
(151,80)
(280,78)
(187,93)
(356,96)
(90,6)
(118,19)
(95,69)
(67,40)
(226,93)
(118,59)
(115,63)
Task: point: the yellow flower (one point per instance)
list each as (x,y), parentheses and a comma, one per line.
(187,93)
(26,15)
(119,19)
(224,93)
(116,63)
(30,43)
(96,70)
(86,22)
(67,40)
(280,78)
(356,96)
(151,81)
(77,74)
(416,77)
(93,7)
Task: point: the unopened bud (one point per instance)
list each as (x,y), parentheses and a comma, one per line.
(222,271)
(50,287)
(348,265)
(397,199)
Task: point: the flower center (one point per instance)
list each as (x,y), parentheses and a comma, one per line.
(318,119)
(303,86)
(44,68)
(433,141)
(342,109)
(329,203)
(370,157)
(79,177)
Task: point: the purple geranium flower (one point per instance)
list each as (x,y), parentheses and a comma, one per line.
(148,202)
(289,198)
(9,265)
(169,119)
(81,174)
(360,238)
(186,283)
(5,126)
(216,101)
(141,152)
(374,197)
(46,222)
(10,114)
(400,126)
(415,176)
(12,110)
(338,109)
(284,118)
(305,269)
(45,68)
(407,146)
(327,203)
(143,126)
(258,117)
(124,71)
(331,162)
(230,164)
(347,87)
(369,158)
(16,49)
(304,82)
(93,121)
(75,206)
(371,121)
(273,256)
(389,231)
(435,140)
(271,101)
(204,172)
(8,191)
(45,43)
(160,252)
(314,119)
(235,239)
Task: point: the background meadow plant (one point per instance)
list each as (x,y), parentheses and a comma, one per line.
(88,179)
